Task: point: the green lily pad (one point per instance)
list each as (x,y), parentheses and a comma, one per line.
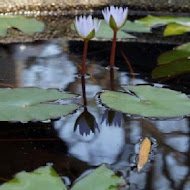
(100,179)
(172,69)
(136,27)
(175,29)
(155,20)
(180,52)
(43,178)
(26,25)
(26,104)
(175,25)
(106,32)
(149,102)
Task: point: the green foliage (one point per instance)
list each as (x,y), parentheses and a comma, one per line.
(26,104)
(173,63)
(46,178)
(175,25)
(100,179)
(26,25)
(148,102)
(43,178)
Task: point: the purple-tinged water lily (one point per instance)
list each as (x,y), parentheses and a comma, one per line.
(113,118)
(86,123)
(86,27)
(115,16)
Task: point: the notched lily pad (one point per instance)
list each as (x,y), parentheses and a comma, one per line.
(26,104)
(100,179)
(26,25)
(148,101)
(43,178)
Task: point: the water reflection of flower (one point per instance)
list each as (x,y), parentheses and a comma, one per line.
(113,118)
(86,123)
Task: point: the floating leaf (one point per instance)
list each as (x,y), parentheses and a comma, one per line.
(176,25)
(43,178)
(179,52)
(157,20)
(25,104)
(172,69)
(143,153)
(106,32)
(26,25)
(148,102)
(135,27)
(175,29)
(100,179)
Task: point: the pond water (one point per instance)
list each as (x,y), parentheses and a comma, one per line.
(55,64)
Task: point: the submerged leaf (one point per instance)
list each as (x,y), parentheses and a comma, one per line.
(43,178)
(100,179)
(143,153)
(26,25)
(148,102)
(26,104)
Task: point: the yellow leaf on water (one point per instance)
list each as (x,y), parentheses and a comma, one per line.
(143,153)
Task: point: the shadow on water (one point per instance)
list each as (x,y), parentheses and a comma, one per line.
(94,134)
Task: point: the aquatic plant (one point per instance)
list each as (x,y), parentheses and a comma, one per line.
(116,18)
(86,28)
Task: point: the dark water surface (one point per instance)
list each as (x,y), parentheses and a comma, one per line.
(55,64)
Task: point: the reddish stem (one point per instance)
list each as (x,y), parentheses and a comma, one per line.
(83,91)
(111,78)
(83,68)
(112,56)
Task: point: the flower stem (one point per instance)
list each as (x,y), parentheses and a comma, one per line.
(112,56)
(83,91)
(83,68)
(112,79)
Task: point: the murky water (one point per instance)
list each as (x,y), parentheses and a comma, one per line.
(55,64)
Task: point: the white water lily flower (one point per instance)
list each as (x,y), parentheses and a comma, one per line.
(115,16)
(86,26)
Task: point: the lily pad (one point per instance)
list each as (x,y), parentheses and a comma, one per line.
(157,20)
(175,29)
(172,69)
(100,179)
(106,32)
(26,25)
(180,52)
(148,102)
(26,104)
(43,178)
(136,27)
(175,25)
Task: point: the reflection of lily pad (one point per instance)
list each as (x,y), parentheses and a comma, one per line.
(44,178)
(26,25)
(179,52)
(175,25)
(25,104)
(100,179)
(149,102)
(172,69)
